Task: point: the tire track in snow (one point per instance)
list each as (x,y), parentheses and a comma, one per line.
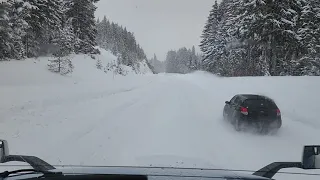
(105,128)
(76,136)
(124,130)
(33,107)
(61,119)
(121,107)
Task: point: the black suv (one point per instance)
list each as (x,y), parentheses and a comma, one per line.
(250,110)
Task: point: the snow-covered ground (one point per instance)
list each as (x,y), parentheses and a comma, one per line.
(93,118)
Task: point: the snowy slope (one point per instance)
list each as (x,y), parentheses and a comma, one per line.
(29,81)
(159,120)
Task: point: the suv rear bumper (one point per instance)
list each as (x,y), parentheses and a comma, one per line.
(264,122)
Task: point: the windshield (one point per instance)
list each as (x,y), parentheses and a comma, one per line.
(144,82)
(256,103)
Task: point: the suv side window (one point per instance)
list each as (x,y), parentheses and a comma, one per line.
(233,99)
(237,101)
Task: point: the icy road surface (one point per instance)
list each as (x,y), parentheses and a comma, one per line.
(159,120)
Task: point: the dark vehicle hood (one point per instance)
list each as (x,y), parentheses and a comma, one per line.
(153,173)
(163,173)
(160,166)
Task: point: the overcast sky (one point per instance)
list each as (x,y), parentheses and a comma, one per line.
(159,25)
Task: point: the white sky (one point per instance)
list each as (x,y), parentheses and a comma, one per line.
(159,25)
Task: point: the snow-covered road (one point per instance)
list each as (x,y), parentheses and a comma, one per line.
(162,120)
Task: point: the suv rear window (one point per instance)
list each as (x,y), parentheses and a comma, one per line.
(254,103)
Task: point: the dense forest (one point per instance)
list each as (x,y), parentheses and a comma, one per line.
(119,41)
(262,37)
(33,28)
(182,61)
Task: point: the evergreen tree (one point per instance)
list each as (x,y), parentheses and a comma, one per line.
(182,61)
(209,29)
(82,14)
(99,64)
(156,65)
(18,26)
(308,32)
(194,64)
(120,42)
(61,65)
(64,39)
(6,45)
(261,37)
(171,63)
(43,18)
(154,59)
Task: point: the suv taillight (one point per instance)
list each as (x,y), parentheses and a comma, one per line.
(278,112)
(244,110)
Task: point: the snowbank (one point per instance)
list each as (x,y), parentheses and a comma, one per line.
(29,83)
(34,71)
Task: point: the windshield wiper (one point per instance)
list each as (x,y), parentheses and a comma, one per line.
(44,173)
(35,162)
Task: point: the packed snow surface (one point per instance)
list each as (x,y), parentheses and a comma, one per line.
(93,118)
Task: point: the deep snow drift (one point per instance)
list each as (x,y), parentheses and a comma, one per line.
(92,118)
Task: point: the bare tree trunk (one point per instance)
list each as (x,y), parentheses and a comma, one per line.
(273,57)
(59,59)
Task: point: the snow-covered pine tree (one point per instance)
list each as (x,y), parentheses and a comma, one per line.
(6,44)
(99,64)
(308,32)
(140,53)
(225,59)
(64,45)
(182,61)
(103,37)
(308,23)
(251,30)
(262,37)
(66,29)
(35,31)
(113,39)
(194,64)
(32,23)
(316,5)
(17,14)
(64,39)
(154,59)
(82,14)
(120,42)
(171,63)
(287,47)
(206,44)
(155,65)
(61,65)
(43,18)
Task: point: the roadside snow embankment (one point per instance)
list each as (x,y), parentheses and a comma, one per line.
(29,81)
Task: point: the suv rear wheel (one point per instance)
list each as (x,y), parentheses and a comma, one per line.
(238,125)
